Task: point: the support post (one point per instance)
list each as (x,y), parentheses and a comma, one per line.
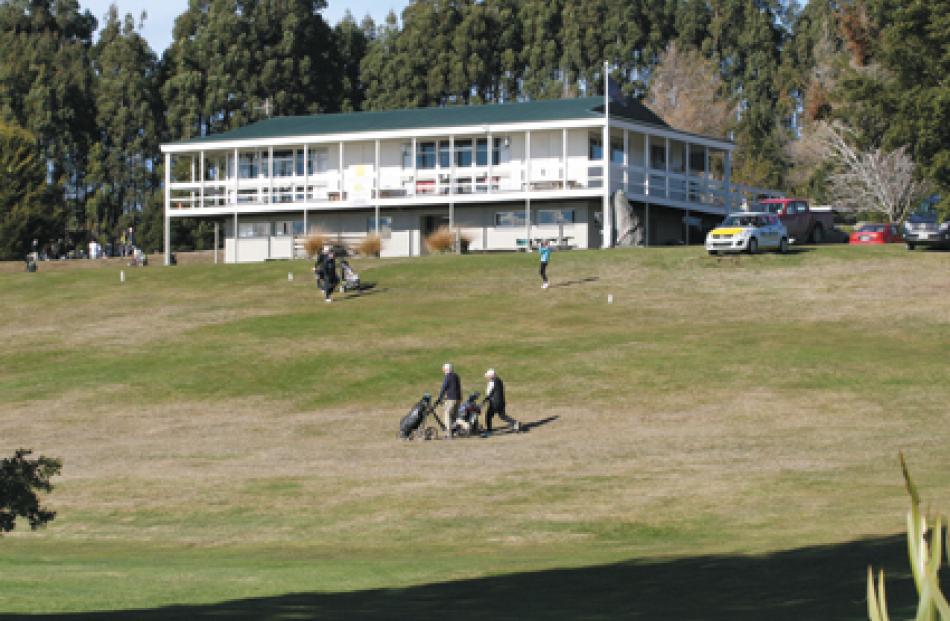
(216,242)
(237,176)
(646,236)
(270,175)
(608,233)
(415,170)
(527,223)
(168,206)
(527,161)
(491,162)
(201,179)
(452,164)
(666,147)
(564,159)
(236,237)
(626,161)
(376,184)
(342,170)
(686,221)
(306,181)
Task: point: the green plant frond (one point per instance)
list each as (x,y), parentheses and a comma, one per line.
(882,597)
(909,483)
(938,600)
(874,605)
(914,544)
(925,609)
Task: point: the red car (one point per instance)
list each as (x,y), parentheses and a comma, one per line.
(876,234)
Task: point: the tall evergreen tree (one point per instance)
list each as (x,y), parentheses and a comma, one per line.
(122,171)
(46,83)
(28,207)
(352,42)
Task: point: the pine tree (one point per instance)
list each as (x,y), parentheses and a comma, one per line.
(46,84)
(29,209)
(127,116)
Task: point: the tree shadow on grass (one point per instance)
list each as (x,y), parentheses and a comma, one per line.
(823,583)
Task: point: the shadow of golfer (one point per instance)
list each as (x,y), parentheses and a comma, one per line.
(525,427)
(579,281)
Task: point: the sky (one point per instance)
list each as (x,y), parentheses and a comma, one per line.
(161,15)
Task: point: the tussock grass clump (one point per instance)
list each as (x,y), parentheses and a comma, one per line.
(315,242)
(443,239)
(370,246)
(440,240)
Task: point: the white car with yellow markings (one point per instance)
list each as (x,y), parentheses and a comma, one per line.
(748,232)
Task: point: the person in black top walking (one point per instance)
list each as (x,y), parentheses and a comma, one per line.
(495,398)
(451,393)
(328,273)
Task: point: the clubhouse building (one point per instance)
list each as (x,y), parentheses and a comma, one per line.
(584,173)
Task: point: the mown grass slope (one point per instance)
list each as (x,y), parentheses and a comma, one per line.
(227,435)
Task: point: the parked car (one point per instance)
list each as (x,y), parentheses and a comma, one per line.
(748,232)
(926,229)
(876,233)
(803,224)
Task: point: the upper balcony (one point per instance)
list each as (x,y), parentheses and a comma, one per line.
(429,170)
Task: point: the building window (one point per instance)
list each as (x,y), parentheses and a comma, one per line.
(697,159)
(249,165)
(385,226)
(284,164)
(288,227)
(463,152)
(425,155)
(481,152)
(406,155)
(616,150)
(319,160)
(501,151)
(595,147)
(555,216)
(509,218)
(445,161)
(253,229)
(657,156)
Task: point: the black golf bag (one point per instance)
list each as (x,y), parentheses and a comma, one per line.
(413,421)
(466,423)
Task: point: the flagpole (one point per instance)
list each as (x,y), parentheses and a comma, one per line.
(608,235)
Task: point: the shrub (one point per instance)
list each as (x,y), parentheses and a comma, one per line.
(440,240)
(315,243)
(370,246)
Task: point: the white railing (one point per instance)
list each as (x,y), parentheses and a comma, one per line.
(510,177)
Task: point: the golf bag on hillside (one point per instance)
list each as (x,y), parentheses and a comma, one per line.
(466,422)
(351,280)
(412,425)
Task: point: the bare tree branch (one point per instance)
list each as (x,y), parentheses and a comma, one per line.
(877,180)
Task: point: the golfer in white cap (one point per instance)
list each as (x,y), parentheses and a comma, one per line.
(495,397)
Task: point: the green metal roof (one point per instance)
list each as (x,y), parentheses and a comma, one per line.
(419,118)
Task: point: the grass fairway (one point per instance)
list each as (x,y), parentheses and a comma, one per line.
(719,443)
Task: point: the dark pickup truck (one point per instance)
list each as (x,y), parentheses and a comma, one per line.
(803,224)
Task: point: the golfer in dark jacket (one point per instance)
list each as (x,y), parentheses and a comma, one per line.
(328,267)
(451,393)
(495,397)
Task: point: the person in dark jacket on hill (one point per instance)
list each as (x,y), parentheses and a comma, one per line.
(329,276)
(495,398)
(451,394)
